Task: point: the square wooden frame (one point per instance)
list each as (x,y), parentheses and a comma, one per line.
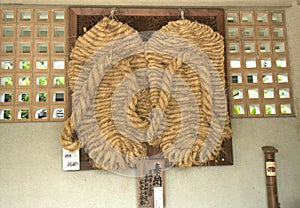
(53,58)
(247,12)
(52,108)
(233,38)
(238,103)
(11,91)
(262,12)
(237,13)
(18,91)
(282,16)
(36,75)
(11,74)
(283,33)
(18,50)
(17,108)
(53,75)
(285,114)
(254,103)
(7,70)
(17,64)
(35,108)
(53,16)
(8,9)
(36,27)
(246,38)
(53,91)
(235,42)
(47,58)
(12,108)
(273,99)
(246,72)
(264,37)
(18,75)
(8,37)
(36,44)
(270,103)
(25,37)
(225,158)
(20,10)
(264,41)
(36,16)
(239,99)
(8,53)
(37,103)
(59,39)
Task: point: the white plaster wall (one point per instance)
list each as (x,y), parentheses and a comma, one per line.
(293,30)
(31,175)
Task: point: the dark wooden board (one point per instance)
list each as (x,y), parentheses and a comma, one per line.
(146,19)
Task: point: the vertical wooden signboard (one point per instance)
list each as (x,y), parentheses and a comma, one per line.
(151,184)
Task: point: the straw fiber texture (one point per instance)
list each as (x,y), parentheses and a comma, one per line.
(185,153)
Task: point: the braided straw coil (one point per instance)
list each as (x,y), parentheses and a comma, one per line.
(159,70)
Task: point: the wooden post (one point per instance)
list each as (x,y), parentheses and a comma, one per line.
(271,176)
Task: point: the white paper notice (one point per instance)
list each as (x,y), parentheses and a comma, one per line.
(71,160)
(158,197)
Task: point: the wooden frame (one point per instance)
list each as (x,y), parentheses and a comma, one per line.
(35,109)
(19,59)
(245,36)
(23,91)
(52,111)
(13,10)
(229,36)
(10,64)
(19,109)
(7,74)
(249,14)
(21,43)
(271,53)
(8,42)
(238,103)
(20,15)
(20,56)
(2,29)
(41,70)
(12,109)
(235,57)
(38,35)
(229,47)
(270,88)
(253,74)
(3,92)
(237,88)
(229,17)
(20,35)
(224,158)
(266,14)
(277,22)
(37,16)
(249,111)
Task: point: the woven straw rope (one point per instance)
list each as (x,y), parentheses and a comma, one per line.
(146,100)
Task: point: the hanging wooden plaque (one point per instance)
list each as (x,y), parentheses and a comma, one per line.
(151,182)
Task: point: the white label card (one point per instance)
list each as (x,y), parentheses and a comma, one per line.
(71,160)
(158,197)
